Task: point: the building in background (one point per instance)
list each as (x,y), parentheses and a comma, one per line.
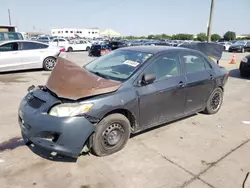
(74,32)
(5,28)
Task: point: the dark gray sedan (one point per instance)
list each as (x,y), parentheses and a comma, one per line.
(124,92)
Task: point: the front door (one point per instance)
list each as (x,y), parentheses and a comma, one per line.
(200,80)
(165,98)
(10,57)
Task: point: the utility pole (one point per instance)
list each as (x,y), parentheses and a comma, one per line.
(9,16)
(210,21)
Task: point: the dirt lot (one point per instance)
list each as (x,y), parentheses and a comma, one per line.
(197,152)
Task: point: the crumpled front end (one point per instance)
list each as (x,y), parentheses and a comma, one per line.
(63,135)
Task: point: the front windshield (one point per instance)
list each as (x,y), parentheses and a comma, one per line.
(117,65)
(240,43)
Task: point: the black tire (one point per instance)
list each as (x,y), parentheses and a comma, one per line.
(243,73)
(49,63)
(70,49)
(88,48)
(210,106)
(109,129)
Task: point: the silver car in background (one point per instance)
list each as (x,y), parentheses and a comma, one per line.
(22,54)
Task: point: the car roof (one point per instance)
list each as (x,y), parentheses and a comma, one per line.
(8,41)
(155,49)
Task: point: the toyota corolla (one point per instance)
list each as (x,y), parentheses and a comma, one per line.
(131,89)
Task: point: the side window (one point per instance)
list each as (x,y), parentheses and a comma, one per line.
(248,44)
(166,66)
(19,36)
(32,46)
(194,63)
(55,40)
(9,47)
(82,42)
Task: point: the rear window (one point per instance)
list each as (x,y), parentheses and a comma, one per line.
(10,36)
(96,47)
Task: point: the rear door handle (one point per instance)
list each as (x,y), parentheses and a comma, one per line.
(181,84)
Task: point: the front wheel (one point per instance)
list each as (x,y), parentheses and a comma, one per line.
(111,135)
(214,102)
(49,63)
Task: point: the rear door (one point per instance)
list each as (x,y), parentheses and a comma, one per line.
(200,80)
(32,54)
(82,45)
(62,42)
(10,57)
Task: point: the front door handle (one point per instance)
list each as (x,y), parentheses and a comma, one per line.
(181,84)
(211,77)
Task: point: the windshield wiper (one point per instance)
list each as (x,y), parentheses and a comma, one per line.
(100,74)
(117,73)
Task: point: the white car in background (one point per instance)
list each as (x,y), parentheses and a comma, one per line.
(226,45)
(61,42)
(73,45)
(78,45)
(24,54)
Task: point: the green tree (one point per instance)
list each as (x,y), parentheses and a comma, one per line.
(215,37)
(230,35)
(201,36)
(151,36)
(164,36)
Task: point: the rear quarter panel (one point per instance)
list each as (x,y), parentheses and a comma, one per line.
(220,74)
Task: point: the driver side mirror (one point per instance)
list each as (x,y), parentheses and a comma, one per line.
(148,78)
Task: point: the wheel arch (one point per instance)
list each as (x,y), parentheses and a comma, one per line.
(128,114)
(69,48)
(221,87)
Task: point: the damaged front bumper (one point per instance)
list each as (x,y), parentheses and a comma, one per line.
(63,135)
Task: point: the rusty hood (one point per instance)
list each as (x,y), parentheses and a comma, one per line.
(68,80)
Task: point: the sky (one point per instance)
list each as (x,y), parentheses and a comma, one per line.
(129,17)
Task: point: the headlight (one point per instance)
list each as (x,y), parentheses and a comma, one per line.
(245,60)
(70,109)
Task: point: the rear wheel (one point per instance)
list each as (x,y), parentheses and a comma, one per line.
(243,73)
(49,63)
(70,49)
(214,102)
(111,135)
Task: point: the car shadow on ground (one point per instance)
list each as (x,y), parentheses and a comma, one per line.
(235,73)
